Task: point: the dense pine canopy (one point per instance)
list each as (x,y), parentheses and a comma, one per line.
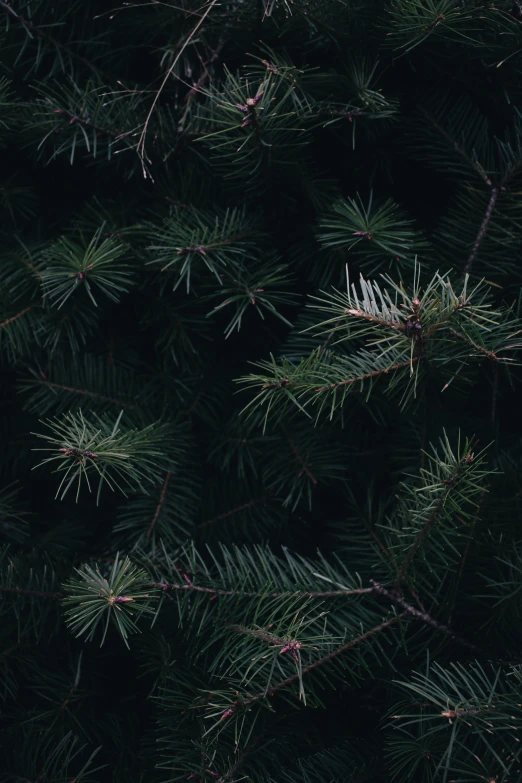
(261,463)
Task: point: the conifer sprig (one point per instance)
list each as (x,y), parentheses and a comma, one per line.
(406,332)
(95,264)
(377,234)
(188,244)
(435,512)
(465,713)
(98,447)
(252,124)
(94,600)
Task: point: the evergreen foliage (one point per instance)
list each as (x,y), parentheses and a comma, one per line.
(260,351)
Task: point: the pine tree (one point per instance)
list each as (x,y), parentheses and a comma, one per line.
(260,341)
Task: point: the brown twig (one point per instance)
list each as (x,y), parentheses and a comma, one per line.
(466,550)
(411,611)
(375,319)
(479,348)
(15,317)
(232,511)
(305,467)
(422,534)
(160,503)
(206,73)
(364,377)
(482,230)
(140,148)
(190,587)
(31,593)
(85,393)
(85,121)
(228,776)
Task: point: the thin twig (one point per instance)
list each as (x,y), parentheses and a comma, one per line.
(160,503)
(206,73)
(31,593)
(375,319)
(482,230)
(411,611)
(228,776)
(373,374)
(468,340)
(84,393)
(190,587)
(305,467)
(15,317)
(232,511)
(141,143)
(465,554)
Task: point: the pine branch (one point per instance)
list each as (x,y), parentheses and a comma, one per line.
(396,597)
(434,514)
(212,591)
(81,392)
(374,374)
(246,703)
(96,447)
(479,348)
